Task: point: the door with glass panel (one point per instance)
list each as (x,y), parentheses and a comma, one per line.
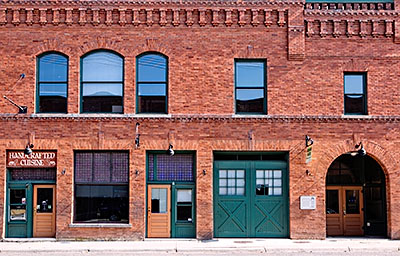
(159,211)
(250,199)
(344,211)
(44,212)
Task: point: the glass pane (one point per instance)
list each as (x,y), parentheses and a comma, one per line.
(159,200)
(53,68)
(250,74)
(184,212)
(260,181)
(184,195)
(44,201)
(152,89)
(231,174)
(240,174)
(222,183)
(231,182)
(354,104)
(223,191)
(102,89)
(52,104)
(240,183)
(332,201)
(277,182)
(17,196)
(259,174)
(53,90)
(268,182)
(175,168)
(240,191)
(102,104)
(152,104)
(152,68)
(231,191)
(278,174)
(102,66)
(18,212)
(352,202)
(102,204)
(222,174)
(277,191)
(354,84)
(250,100)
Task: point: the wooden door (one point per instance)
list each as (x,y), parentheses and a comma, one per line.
(344,216)
(44,211)
(159,211)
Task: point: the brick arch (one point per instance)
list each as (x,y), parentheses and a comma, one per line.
(250,52)
(356,66)
(152,45)
(102,43)
(52,45)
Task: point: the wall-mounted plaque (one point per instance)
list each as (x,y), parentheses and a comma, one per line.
(308,202)
(38,159)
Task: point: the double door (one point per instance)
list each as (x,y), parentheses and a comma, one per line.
(344,211)
(31,210)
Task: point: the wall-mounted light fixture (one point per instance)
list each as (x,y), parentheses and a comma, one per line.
(137,136)
(21,109)
(360,150)
(308,173)
(28,149)
(137,172)
(309,141)
(63,171)
(204,172)
(170,150)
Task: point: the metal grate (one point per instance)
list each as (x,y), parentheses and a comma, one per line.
(175,168)
(33,174)
(101,167)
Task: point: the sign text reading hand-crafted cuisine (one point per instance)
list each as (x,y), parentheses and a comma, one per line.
(40,159)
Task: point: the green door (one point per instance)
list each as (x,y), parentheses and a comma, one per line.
(250,199)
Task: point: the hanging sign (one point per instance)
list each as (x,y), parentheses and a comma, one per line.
(308,154)
(38,159)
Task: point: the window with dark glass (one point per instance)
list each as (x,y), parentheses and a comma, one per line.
(102,81)
(355,100)
(52,83)
(184,205)
(163,167)
(152,83)
(101,187)
(250,83)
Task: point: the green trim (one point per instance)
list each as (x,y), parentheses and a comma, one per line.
(37,101)
(349,1)
(166,81)
(265,104)
(81,77)
(365,103)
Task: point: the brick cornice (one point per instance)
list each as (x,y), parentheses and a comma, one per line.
(189,118)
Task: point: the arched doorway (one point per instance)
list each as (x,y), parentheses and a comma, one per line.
(355,197)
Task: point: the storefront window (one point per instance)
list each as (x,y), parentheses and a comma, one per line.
(17,204)
(101,187)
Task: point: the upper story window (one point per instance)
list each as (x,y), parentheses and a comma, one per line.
(250,87)
(102,82)
(152,83)
(355,93)
(52,77)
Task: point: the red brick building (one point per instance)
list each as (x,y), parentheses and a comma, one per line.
(283,117)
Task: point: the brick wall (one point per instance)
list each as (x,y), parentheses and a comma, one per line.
(306,55)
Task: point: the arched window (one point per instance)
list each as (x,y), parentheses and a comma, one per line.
(152,83)
(102,82)
(52,75)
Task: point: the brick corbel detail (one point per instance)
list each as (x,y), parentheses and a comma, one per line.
(43,16)
(397,31)
(29,16)
(15,19)
(122,16)
(163,17)
(68,18)
(82,16)
(296,33)
(228,17)
(3,19)
(189,18)
(56,16)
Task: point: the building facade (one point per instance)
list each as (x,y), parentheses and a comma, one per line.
(199,119)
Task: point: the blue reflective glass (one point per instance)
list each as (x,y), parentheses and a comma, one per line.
(53,68)
(249,74)
(53,90)
(152,68)
(354,84)
(102,66)
(152,89)
(102,89)
(249,94)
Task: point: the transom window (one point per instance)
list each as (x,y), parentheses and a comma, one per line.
(52,83)
(269,182)
(102,81)
(152,85)
(163,167)
(232,182)
(250,86)
(355,100)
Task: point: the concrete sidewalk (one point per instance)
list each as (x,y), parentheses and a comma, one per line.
(215,245)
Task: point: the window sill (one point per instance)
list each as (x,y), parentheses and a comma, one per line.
(99,225)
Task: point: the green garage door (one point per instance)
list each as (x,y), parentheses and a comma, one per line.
(250,199)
